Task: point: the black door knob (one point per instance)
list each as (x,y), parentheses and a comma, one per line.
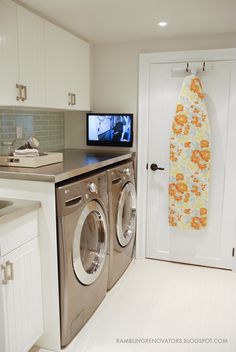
(155,167)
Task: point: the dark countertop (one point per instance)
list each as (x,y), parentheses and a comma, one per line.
(75,162)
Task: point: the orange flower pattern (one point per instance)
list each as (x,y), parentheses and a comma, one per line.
(190,156)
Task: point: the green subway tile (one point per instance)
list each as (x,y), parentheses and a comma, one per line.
(47,126)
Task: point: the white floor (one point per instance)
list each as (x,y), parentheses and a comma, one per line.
(168,303)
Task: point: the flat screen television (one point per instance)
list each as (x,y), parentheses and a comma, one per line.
(114,130)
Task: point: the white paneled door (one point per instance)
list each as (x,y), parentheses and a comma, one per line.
(212,246)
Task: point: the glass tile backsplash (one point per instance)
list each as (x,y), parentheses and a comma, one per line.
(46,126)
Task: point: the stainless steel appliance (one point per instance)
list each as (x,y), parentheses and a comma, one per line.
(83,251)
(122,219)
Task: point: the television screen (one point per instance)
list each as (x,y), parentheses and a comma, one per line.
(110,130)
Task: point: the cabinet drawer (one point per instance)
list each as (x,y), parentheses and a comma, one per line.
(15,233)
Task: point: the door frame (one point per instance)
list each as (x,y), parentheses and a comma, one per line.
(145,60)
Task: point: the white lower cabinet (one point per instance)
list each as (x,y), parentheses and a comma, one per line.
(21,322)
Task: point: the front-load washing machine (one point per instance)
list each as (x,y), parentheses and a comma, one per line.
(122,219)
(82,251)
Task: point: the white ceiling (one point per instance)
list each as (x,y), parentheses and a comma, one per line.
(102,21)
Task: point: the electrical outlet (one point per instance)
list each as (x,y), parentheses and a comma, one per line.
(19,132)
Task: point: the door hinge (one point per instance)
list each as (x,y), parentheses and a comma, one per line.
(147,166)
(233,251)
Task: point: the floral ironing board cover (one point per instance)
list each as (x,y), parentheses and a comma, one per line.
(190,154)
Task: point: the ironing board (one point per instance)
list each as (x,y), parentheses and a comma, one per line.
(190,154)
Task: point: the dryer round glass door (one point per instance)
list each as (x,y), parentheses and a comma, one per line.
(90,243)
(126,215)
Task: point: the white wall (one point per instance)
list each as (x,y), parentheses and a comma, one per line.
(115,76)
(75,130)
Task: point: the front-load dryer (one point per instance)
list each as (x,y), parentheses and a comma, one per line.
(82,251)
(122,219)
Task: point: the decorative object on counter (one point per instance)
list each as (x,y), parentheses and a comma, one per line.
(32,143)
(16,147)
(18,142)
(33,161)
(28,149)
(27,155)
(190,154)
(26,152)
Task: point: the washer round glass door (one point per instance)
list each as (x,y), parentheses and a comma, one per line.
(126,215)
(90,243)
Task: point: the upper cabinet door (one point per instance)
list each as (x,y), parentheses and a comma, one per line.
(57,61)
(67,70)
(79,73)
(83,75)
(31,57)
(8,53)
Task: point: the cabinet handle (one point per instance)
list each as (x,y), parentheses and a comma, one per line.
(70,99)
(24,90)
(74,99)
(5,280)
(10,265)
(19,96)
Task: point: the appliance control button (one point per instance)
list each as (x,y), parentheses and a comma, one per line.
(93,187)
(128,233)
(127,171)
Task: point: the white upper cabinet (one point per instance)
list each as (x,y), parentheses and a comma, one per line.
(41,65)
(31,57)
(83,72)
(57,62)
(67,70)
(8,53)
(79,73)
